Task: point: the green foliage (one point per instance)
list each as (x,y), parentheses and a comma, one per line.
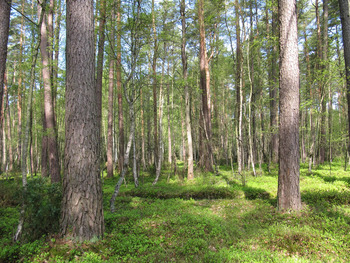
(209,219)
(42,201)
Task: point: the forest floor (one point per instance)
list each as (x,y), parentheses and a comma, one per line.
(214,218)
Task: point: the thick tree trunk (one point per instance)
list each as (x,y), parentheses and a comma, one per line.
(52,149)
(288,179)
(344,7)
(82,208)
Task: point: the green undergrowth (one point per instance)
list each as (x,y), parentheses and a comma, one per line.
(214,218)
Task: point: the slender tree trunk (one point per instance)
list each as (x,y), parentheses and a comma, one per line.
(143,159)
(82,208)
(206,160)
(170,154)
(190,174)
(273,92)
(154,76)
(110,104)
(35,52)
(289,166)
(5,8)
(160,143)
(239,93)
(9,133)
(119,90)
(19,91)
(344,7)
(100,53)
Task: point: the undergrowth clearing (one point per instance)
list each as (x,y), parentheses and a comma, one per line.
(214,218)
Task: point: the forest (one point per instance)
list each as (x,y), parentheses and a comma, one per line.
(174,131)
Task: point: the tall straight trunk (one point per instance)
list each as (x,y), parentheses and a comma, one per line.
(9,135)
(190,174)
(321,88)
(19,91)
(82,204)
(3,125)
(289,166)
(325,85)
(44,155)
(169,120)
(273,92)
(160,116)
(250,137)
(35,52)
(183,136)
(154,76)
(119,90)
(206,160)
(344,7)
(110,104)
(52,148)
(100,53)
(5,8)
(56,56)
(143,159)
(239,93)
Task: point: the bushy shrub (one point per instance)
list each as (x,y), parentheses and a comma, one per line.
(252,193)
(42,202)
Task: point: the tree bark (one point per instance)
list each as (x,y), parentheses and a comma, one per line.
(206,160)
(100,55)
(82,206)
(110,104)
(273,93)
(119,90)
(52,149)
(154,76)
(289,166)
(5,8)
(344,7)
(239,93)
(190,174)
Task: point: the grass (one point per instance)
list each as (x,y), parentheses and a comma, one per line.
(211,219)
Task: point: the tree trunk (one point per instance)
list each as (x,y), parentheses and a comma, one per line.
(206,160)
(190,174)
(344,7)
(160,143)
(154,76)
(289,166)
(52,150)
(110,104)
(100,53)
(82,208)
(273,93)
(5,8)
(119,89)
(239,93)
